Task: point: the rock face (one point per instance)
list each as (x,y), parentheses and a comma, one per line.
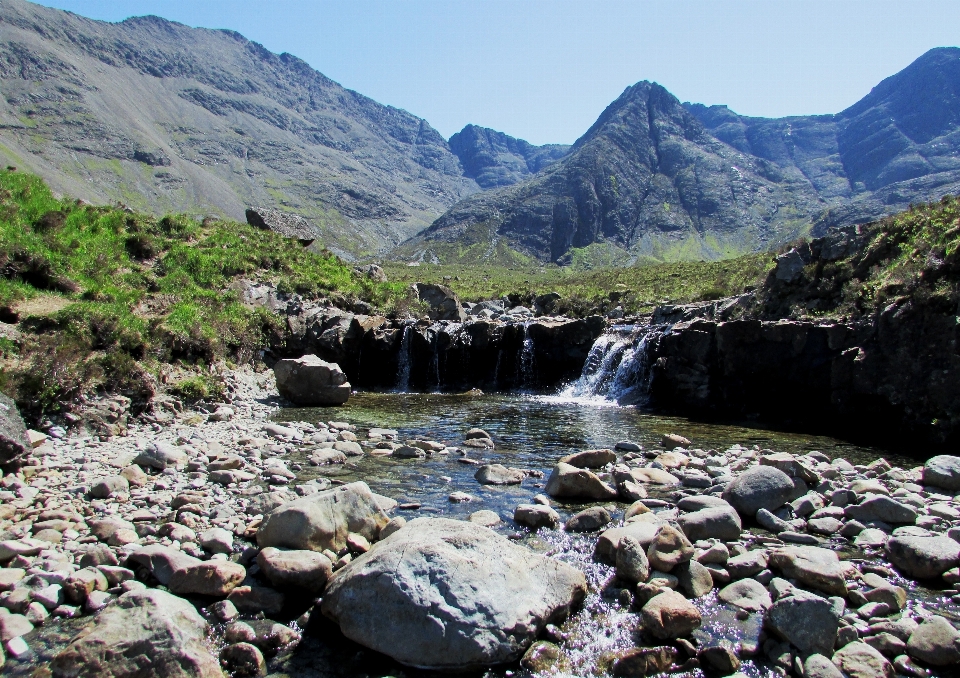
(14,444)
(762,487)
(445,594)
(148,634)
(311,382)
(494,159)
(289,225)
(323,520)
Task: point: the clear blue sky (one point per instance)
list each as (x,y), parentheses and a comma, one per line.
(544,70)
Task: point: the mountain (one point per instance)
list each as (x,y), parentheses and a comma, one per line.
(494,159)
(654,178)
(163,117)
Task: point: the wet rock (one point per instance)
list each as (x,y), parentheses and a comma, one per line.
(761,487)
(148,634)
(243,660)
(668,549)
(893,597)
(590,458)
(323,520)
(886,644)
(588,520)
(653,476)
(942,471)
(631,560)
(806,621)
(485,518)
(644,661)
(815,567)
(536,516)
(311,382)
(721,522)
(210,578)
(540,657)
(693,578)
(446,594)
(718,660)
(923,557)
(670,615)
(256,599)
(498,474)
(881,508)
(747,564)
(568,481)
(859,660)
(935,642)
(747,594)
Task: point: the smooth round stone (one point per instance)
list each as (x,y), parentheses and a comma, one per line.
(485,518)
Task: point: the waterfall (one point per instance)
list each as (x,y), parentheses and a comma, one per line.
(403,360)
(527,368)
(617,368)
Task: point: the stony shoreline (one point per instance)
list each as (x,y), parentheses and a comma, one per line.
(195,537)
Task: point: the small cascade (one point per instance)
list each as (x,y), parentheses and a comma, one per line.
(527,368)
(617,367)
(404,361)
(434,332)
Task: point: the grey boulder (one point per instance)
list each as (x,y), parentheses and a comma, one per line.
(307,570)
(761,487)
(451,595)
(720,522)
(942,471)
(923,557)
(575,483)
(324,519)
(498,474)
(311,382)
(806,621)
(878,507)
(144,634)
(935,642)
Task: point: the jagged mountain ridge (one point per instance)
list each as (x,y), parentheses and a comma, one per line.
(654,178)
(494,159)
(166,117)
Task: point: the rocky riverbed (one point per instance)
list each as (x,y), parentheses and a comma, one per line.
(232,542)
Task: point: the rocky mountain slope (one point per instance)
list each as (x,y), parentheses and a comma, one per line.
(654,178)
(494,159)
(164,117)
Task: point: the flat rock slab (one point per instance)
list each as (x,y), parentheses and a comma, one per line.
(448,594)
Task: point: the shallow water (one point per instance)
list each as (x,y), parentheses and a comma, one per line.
(532,432)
